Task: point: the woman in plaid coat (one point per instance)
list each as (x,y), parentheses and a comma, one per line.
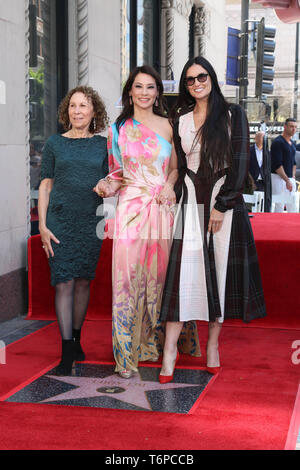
(213,271)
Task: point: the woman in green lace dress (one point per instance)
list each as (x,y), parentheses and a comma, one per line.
(72,164)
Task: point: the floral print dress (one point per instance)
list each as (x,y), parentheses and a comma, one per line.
(142,238)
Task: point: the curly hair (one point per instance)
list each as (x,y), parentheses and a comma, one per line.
(101,117)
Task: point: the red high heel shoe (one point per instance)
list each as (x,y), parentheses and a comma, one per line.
(213,370)
(164,379)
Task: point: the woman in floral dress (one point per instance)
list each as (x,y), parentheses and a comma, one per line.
(139,149)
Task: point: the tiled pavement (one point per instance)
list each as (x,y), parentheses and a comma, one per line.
(18,327)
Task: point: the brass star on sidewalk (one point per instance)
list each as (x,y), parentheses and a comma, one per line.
(131,391)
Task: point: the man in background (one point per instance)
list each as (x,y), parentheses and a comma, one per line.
(260,168)
(256,167)
(283,164)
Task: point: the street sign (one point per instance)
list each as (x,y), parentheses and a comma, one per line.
(233,52)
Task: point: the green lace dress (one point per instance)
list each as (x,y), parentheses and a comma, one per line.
(76,165)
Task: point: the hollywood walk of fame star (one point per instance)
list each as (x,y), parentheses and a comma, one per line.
(130,391)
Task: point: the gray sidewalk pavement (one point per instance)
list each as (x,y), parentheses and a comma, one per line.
(18,327)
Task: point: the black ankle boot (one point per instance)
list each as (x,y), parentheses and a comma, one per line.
(78,352)
(67,358)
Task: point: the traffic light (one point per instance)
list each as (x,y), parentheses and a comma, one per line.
(265,59)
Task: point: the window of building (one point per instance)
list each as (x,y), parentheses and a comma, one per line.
(140,35)
(48,80)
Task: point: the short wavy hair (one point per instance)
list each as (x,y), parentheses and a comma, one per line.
(101,116)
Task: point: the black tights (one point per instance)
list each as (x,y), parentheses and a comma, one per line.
(71,303)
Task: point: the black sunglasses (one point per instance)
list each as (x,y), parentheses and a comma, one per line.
(202,77)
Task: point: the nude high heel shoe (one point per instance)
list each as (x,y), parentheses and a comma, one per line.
(126,373)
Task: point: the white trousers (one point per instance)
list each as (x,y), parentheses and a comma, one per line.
(279,189)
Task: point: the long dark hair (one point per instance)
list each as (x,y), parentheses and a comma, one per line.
(128,109)
(214,134)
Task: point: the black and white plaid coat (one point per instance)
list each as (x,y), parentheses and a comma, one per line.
(243,293)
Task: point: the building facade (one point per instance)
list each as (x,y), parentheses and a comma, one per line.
(283,103)
(50,46)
